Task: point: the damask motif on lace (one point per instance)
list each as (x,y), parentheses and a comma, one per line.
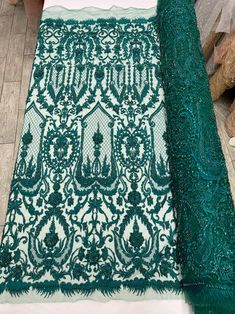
(90,205)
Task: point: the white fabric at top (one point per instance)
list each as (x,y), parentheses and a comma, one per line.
(104,4)
(58,12)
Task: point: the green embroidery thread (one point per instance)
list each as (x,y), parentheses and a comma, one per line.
(200,187)
(90,205)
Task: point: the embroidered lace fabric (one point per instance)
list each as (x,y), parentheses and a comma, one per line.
(120,181)
(90,207)
(200,187)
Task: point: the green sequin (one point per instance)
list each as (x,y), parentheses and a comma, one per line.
(200,187)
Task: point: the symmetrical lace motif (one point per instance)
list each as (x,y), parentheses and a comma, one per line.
(90,206)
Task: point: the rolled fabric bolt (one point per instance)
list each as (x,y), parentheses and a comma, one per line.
(224,78)
(200,186)
(221,50)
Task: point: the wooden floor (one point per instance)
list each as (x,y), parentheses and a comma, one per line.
(17,44)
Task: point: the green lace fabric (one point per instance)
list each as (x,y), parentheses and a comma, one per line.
(90,209)
(120,188)
(200,187)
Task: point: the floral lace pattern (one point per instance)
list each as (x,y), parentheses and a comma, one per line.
(96,189)
(90,205)
(201,193)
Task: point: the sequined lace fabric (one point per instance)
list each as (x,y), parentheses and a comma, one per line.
(120,182)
